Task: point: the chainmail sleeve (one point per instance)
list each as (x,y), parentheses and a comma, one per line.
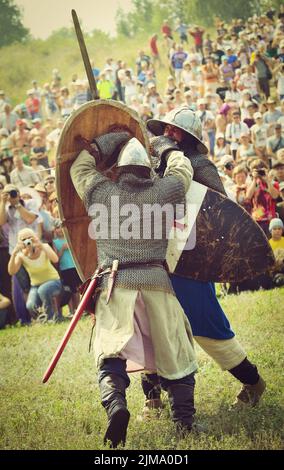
(205,172)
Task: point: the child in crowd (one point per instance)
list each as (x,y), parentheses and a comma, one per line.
(276,227)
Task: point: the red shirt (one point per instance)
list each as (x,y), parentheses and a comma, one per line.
(166,30)
(197,36)
(153,46)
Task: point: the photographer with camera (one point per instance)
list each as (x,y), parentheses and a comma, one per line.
(263,193)
(18,214)
(37,259)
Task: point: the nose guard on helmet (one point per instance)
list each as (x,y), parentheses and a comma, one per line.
(133,153)
(184,119)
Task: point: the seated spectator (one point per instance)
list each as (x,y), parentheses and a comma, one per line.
(38,169)
(37,257)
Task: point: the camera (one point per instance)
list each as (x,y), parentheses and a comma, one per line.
(261,172)
(13,193)
(28,242)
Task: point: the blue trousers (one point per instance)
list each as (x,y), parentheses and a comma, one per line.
(42,295)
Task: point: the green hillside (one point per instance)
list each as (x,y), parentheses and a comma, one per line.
(35,60)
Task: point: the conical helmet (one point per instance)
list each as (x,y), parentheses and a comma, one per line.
(187,120)
(133,153)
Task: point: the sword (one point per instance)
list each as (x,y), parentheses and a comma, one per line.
(77,315)
(85,57)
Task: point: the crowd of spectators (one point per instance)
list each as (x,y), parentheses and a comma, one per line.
(235,84)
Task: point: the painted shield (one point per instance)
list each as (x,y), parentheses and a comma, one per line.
(90,120)
(217,240)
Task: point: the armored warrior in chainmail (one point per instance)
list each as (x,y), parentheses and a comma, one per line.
(210,326)
(139,319)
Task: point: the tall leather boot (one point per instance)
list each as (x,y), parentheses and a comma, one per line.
(112,388)
(181,398)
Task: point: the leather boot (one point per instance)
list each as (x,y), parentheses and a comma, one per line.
(250,394)
(152,390)
(181,398)
(112,388)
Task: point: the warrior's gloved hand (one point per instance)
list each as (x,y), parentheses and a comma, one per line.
(106,147)
(160,147)
(109,146)
(85,144)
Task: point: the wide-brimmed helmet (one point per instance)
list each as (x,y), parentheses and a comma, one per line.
(186,120)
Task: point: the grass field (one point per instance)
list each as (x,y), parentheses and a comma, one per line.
(66,413)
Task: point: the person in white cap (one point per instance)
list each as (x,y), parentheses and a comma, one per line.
(276,228)
(136,320)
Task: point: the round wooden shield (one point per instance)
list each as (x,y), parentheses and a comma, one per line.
(218,241)
(90,120)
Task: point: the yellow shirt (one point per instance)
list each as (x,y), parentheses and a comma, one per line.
(40,270)
(275,244)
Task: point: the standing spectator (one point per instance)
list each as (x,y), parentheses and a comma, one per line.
(51,107)
(20,136)
(197,34)
(249,81)
(210,74)
(259,135)
(152,98)
(272,115)
(33,105)
(232,96)
(154,50)
(278,167)
(8,118)
(177,61)
(275,142)
(263,194)
(22,175)
(142,59)
(68,273)
(65,102)
(221,147)
(234,131)
(245,150)
(263,73)
(182,29)
(3,100)
(240,189)
(167,33)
